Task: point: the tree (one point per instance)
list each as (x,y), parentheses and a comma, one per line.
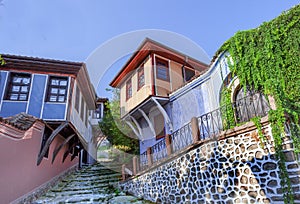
(118,133)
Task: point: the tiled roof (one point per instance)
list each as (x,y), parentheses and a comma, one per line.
(21,121)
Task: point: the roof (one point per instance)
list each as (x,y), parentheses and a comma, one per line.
(21,121)
(149,46)
(101,100)
(40,65)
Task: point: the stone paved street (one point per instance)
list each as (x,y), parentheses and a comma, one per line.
(91,184)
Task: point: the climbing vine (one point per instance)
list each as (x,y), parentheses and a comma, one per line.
(267,58)
(2,62)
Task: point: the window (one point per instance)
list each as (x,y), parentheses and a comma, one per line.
(187,73)
(249,104)
(18,87)
(57,89)
(97,112)
(141,77)
(82,109)
(128,89)
(162,69)
(77,98)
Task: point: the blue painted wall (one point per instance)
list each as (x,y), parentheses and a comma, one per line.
(3,76)
(189,105)
(10,108)
(37,94)
(54,111)
(36,104)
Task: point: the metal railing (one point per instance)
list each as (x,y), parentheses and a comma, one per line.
(181,138)
(229,116)
(143,161)
(159,150)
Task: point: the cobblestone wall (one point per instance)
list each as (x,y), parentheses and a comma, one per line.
(236,169)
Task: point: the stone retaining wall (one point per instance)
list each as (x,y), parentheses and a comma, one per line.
(234,169)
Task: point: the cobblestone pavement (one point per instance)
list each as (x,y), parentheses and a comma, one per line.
(91,184)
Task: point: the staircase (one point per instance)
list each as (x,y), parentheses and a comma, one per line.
(91,184)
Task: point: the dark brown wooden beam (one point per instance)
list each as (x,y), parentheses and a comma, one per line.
(55,152)
(49,141)
(68,151)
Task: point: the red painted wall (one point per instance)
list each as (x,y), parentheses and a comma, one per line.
(19,173)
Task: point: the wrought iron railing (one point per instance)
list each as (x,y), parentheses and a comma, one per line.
(159,150)
(229,116)
(143,161)
(251,106)
(181,138)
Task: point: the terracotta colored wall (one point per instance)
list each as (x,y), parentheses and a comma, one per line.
(19,173)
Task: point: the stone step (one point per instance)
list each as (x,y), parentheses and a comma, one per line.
(90,184)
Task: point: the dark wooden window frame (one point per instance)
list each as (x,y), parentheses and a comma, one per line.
(20,94)
(77,98)
(164,67)
(184,71)
(59,87)
(141,77)
(128,89)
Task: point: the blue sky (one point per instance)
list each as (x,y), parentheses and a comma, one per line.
(73,29)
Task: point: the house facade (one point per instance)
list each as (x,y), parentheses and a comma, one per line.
(58,96)
(146,81)
(162,89)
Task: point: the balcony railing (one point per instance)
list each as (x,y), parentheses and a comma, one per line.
(181,138)
(143,161)
(159,150)
(210,125)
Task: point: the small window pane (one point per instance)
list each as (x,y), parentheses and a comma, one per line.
(25,81)
(53,98)
(13,97)
(24,89)
(54,90)
(17,79)
(62,91)
(63,83)
(55,82)
(16,88)
(23,97)
(61,98)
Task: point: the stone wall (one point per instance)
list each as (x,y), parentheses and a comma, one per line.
(231,169)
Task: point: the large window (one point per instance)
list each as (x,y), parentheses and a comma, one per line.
(18,87)
(162,69)
(141,77)
(57,89)
(128,89)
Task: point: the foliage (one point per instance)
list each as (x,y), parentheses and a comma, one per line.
(117,132)
(227,110)
(2,62)
(262,138)
(267,58)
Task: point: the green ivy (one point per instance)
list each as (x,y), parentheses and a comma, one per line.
(2,62)
(227,110)
(267,58)
(262,138)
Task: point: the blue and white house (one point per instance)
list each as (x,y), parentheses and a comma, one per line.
(58,92)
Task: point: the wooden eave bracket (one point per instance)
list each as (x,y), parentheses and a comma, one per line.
(49,141)
(164,113)
(55,152)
